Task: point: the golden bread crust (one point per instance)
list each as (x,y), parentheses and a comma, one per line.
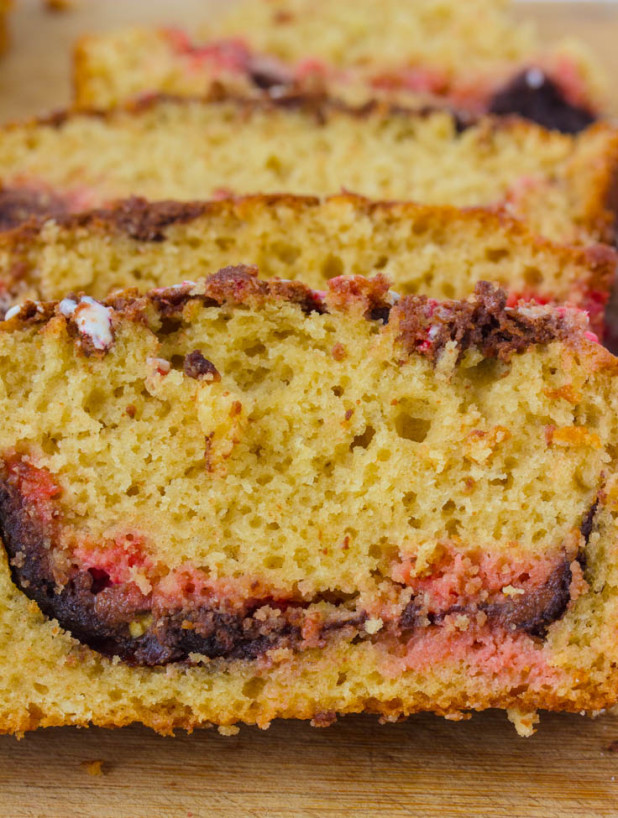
(322,233)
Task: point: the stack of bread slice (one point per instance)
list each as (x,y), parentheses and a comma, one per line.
(368,465)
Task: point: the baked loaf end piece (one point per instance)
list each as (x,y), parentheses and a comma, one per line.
(441,252)
(558,89)
(189,149)
(241,500)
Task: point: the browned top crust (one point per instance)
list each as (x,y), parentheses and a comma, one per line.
(17,205)
(422,325)
(315,102)
(146,221)
(231,285)
(138,218)
(483,322)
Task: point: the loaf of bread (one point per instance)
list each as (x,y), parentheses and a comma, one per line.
(238,500)
(441,252)
(189,149)
(413,53)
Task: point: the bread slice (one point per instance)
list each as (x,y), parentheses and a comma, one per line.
(191,149)
(442,252)
(412,53)
(238,500)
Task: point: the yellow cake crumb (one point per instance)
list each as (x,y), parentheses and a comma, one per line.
(94,768)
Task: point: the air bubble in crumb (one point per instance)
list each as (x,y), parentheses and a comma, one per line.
(230,730)
(93,767)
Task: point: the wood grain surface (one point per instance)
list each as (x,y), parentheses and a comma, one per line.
(424,767)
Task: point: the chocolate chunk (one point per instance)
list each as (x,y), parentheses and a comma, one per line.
(267,72)
(215,633)
(535,96)
(534,611)
(587,525)
(198,367)
(483,322)
(380,314)
(410,616)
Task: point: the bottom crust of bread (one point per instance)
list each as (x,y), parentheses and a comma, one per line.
(52,680)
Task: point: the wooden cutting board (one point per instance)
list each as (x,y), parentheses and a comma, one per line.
(425,767)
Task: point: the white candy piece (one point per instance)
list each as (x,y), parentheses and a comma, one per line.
(92,319)
(530,311)
(176,287)
(160,365)
(67,306)
(183,285)
(12,312)
(95,321)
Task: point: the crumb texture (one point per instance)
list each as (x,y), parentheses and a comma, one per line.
(319,148)
(438,251)
(374,514)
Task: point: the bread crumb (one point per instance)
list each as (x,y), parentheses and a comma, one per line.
(524,723)
(228,730)
(457,715)
(324,719)
(462,622)
(511,590)
(138,627)
(93,767)
(373,625)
